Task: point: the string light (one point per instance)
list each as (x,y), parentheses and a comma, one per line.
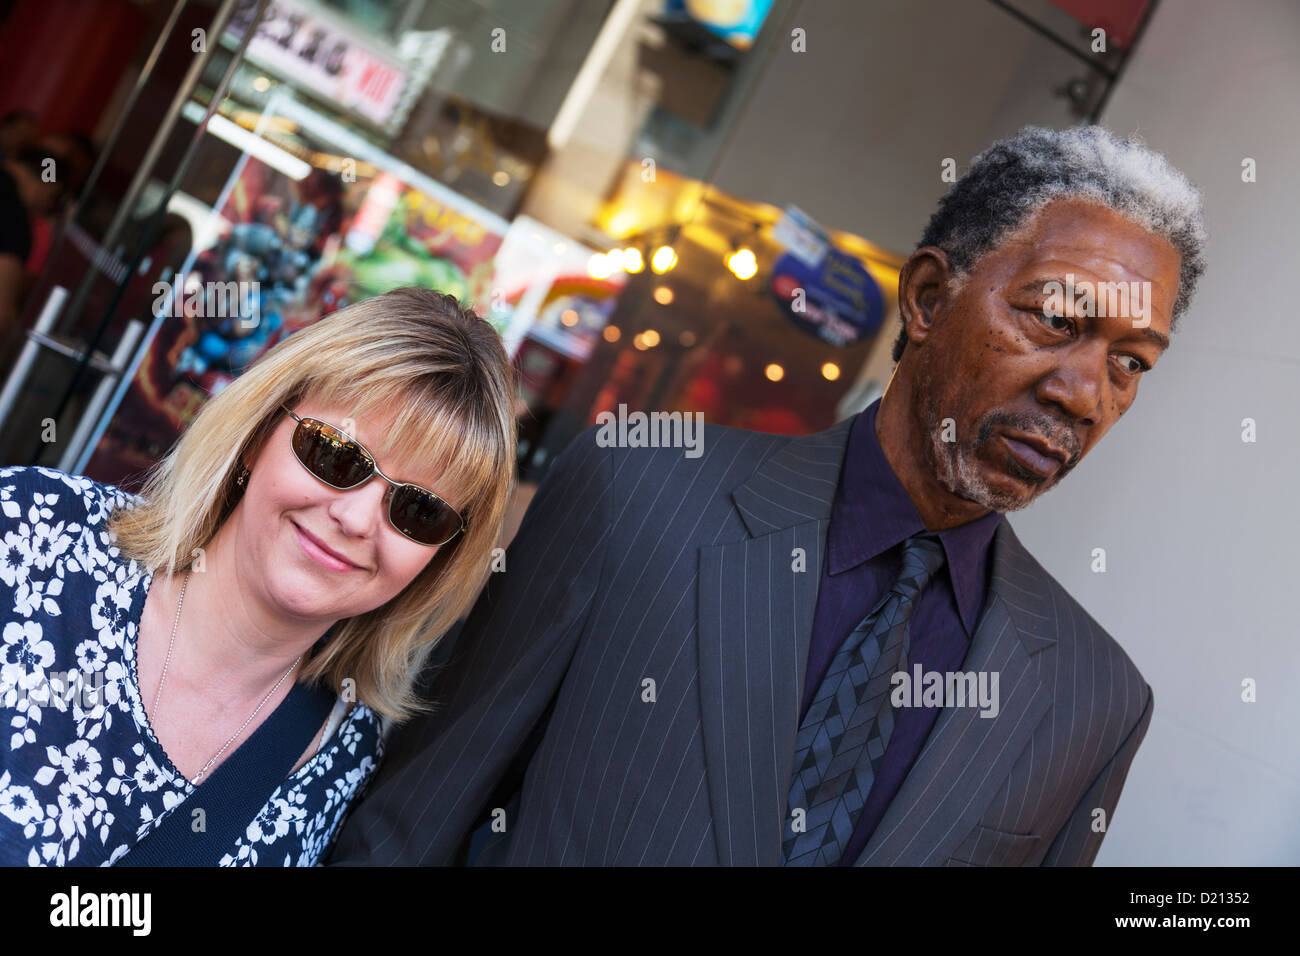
(743,263)
(664,259)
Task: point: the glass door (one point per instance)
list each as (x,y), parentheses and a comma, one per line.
(122,238)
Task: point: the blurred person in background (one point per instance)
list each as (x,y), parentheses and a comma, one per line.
(18,128)
(73,156)
(39,176)
(25,195)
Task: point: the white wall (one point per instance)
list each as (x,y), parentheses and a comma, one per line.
(1198,526)
(854,129)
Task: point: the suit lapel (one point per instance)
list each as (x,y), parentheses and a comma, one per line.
(756,602)
(967,757)
(755,628)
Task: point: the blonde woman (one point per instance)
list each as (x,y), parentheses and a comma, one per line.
(286,568)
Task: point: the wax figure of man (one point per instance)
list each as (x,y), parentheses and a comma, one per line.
(701,660)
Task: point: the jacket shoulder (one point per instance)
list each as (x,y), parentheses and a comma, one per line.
(1100,669)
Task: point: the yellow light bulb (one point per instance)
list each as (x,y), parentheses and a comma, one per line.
(665,258)
(743,263)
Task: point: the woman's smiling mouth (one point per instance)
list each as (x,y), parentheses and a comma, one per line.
(315,549)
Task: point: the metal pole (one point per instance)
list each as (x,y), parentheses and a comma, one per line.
(121,357)
(22,368)
(1123,63)
(156,145)
(1051,37)
(145,72)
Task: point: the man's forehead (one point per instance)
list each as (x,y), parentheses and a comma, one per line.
(1092,241)
(1073,228)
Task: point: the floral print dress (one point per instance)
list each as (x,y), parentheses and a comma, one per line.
(82,776)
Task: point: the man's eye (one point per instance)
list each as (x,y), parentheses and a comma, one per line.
(1049,319)
(1136,366)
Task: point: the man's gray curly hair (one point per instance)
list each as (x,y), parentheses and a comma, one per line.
(1013,179)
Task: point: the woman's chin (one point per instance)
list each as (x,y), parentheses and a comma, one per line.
(302,592)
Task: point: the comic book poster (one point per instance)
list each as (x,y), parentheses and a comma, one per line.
(288,253)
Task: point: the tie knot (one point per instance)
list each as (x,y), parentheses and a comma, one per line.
(922,557)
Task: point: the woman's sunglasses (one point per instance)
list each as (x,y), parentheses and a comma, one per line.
(341,462)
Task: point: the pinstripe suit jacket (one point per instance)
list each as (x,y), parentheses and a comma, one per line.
(643,656)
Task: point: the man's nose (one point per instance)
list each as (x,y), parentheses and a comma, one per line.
(1079,385)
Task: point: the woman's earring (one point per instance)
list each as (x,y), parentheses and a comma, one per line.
(241,477)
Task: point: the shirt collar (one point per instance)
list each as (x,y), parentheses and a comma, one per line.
(872,513)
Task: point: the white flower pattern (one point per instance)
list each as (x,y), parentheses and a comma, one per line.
(83,778)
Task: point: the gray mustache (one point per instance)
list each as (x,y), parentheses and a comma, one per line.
(1049,429)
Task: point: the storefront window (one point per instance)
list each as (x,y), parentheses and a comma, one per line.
(594,177)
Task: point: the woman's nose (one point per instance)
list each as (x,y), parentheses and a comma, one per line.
(360,511)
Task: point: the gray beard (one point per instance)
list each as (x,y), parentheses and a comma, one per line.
(957,472)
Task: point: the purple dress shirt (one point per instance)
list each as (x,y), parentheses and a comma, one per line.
(870,518)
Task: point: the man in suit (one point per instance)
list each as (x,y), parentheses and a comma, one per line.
(754,656)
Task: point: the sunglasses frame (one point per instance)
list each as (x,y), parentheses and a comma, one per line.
(374,470)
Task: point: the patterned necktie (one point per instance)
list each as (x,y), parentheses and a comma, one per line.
(843,737)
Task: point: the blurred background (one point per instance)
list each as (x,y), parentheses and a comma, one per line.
(690,205)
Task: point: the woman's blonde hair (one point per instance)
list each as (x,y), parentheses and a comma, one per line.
(446,374)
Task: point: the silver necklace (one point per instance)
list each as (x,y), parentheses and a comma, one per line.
(162,680)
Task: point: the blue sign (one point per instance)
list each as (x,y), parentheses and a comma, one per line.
(835,300)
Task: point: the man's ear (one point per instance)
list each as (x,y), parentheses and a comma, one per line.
(922,284)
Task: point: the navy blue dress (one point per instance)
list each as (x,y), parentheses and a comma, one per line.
(83,778)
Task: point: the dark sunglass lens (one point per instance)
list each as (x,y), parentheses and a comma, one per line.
(329,455)
(421,516)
